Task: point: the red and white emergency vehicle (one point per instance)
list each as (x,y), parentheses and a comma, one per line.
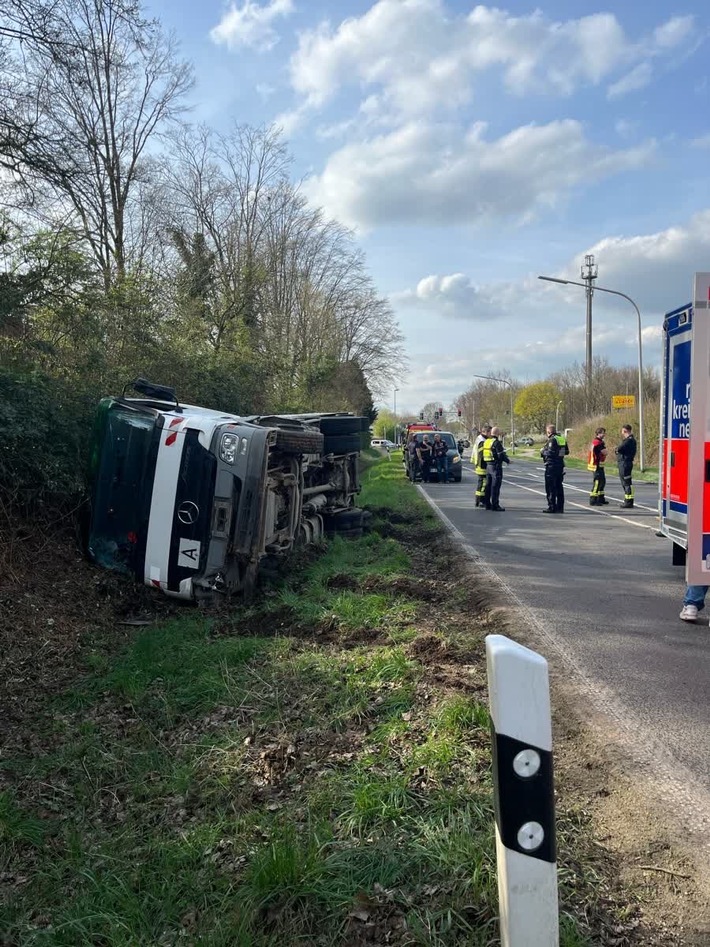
(685,406)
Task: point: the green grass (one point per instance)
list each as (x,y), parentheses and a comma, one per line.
(207,787)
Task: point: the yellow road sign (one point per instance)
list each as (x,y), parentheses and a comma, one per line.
(623,401)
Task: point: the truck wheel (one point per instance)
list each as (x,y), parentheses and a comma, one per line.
(345,425)
(299,442)
(342,522)
(341,444)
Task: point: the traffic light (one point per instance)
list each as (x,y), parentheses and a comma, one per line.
(459,412)
(421,415)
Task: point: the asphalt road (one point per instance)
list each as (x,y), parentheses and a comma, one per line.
(600,583)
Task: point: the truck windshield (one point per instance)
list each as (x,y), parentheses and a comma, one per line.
(123,481)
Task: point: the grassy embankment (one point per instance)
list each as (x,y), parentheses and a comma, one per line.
(314,770)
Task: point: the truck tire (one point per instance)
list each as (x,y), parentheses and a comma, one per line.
(299,442)
(345,425)
(341,443)
(351,533)
(342,522)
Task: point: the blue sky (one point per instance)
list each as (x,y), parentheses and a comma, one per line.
(473,147)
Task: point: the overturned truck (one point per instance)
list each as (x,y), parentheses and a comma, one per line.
(192,501)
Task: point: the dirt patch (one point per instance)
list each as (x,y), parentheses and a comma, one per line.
(56,610)
(652,859)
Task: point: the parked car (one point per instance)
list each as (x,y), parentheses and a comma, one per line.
(382,442)
(524,442)
(191,500)
(453,456)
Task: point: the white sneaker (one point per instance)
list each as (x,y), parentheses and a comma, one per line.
(689,613)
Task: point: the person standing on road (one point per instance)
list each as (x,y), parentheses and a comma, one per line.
(424,455)
(597,456)
(553,453)
(412,460)
(693,601)
(625,454)
(479,465)
(494,456)
(439,451)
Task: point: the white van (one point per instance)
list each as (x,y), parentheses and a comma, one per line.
(382,442)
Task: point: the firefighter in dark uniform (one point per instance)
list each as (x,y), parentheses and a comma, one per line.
(595,463)
(553,453)
(494,456)
(479,465)
(625,454)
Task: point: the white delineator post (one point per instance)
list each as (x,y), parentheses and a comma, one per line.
(519,696)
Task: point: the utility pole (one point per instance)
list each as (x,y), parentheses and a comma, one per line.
(589,274)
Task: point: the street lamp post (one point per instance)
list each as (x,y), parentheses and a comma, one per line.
(615,292)
(588,274)
(557,415)
(504,381)
(394,428)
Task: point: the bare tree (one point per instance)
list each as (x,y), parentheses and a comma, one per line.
(83,120)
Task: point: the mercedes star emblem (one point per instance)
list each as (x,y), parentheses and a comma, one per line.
(188,512)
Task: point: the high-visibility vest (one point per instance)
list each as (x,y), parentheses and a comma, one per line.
(479,464)
(561,440)
(488,449)
(592,462)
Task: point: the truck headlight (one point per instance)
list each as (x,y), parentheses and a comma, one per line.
(228,448)
(457,459)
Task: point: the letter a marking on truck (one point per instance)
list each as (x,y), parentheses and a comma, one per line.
(189,554)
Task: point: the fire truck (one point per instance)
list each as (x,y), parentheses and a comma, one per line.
(684,480)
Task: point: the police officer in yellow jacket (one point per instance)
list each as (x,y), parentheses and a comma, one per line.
(494,456)
(479,465)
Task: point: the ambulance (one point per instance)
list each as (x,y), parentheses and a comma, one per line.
(684,481)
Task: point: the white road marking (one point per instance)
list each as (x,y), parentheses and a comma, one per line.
(612,516)
(571,486)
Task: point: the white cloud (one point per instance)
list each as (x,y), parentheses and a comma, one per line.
(250,24)
(639,77)
(655,269)
(454,295)
(442,175)
(672,33)
(420,57)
